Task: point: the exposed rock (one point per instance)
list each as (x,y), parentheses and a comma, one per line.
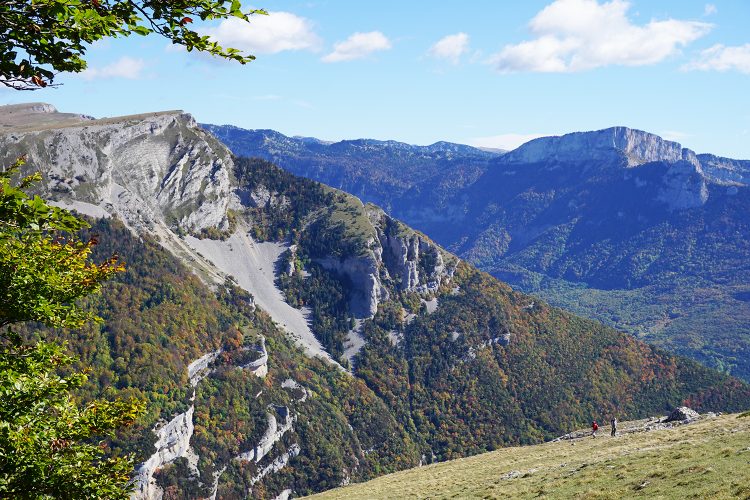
(430,305)
(725,170)
(607,146)
(295,386)
(683,187)
(253,265)
(35,115)
(259,367)
(284,495)
(682,414)
(278,464)
(395,337)
(143,168)
(199,369)
(173,441)
(173,438)
(510,475)
(362,271)
(273,434)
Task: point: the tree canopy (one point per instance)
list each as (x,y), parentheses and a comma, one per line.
(39,38)
(50,443)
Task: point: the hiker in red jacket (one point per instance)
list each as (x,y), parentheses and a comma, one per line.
(594,428)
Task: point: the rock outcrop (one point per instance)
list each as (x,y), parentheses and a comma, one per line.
(173,437)
(146,169)
(682,414)
(396,256)
(259,367)
(173,441)
(684,186)
(608,146)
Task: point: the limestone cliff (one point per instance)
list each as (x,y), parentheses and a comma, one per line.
(146,169)
(395,257)
(609,146)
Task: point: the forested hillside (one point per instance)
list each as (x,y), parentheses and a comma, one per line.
(367,348)
(617,225)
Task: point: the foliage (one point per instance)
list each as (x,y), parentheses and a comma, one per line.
(48,442)
(158,317)
(49,445)
(326,297)
(41,37)
(282,201)
(440,385)
(456,381)
(41,271)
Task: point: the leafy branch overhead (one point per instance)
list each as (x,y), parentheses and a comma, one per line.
(39,38)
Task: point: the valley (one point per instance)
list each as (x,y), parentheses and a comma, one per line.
(618,225)
(288,338)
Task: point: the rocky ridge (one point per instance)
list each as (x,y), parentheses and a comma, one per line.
(395,254)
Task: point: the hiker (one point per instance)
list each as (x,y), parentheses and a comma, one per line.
(594,428)
(614,426)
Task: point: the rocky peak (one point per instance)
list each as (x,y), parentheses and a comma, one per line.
(147,169)
(612,146)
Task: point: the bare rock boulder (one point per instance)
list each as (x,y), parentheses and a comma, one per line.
(682,414)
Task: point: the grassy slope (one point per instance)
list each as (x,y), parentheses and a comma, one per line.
(706,459)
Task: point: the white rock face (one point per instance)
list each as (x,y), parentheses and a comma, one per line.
(725,170)
(173,438)
(278,464)
(605,146)
(362,271)
(199,369)
(259,367)
(274,432)
(284,495)
(143,168)
(683,187)
(292,384)
(394,255)
(173,441)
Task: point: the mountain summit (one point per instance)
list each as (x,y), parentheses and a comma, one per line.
(610,145)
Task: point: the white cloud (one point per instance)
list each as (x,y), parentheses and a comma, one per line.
(451,47)
(577,35)
(722,58)
(503,141)
(710,9)
(357,46)
(125,67)
(276,32)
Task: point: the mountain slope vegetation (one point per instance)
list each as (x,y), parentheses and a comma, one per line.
(617,225)
(415,355)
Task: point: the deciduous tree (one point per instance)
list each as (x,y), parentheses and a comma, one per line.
(39,38)
(51,445)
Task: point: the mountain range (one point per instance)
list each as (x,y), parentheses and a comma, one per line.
(618,225)
(289,338)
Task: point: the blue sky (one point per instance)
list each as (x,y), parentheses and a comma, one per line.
(490,73)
